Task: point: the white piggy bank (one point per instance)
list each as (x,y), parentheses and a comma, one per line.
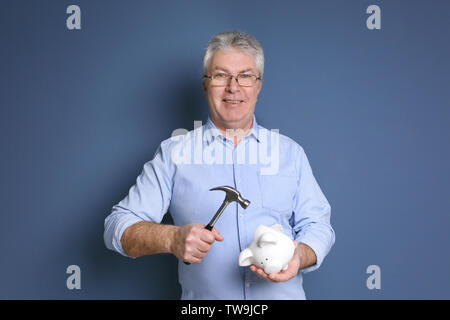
(271,249)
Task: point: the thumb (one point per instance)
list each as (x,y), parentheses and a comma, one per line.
(217,235)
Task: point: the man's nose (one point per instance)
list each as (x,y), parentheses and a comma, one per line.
(232,85)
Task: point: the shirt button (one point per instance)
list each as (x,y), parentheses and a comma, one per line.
(247,284)
(241,215)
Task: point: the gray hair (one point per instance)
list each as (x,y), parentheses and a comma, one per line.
(237,40)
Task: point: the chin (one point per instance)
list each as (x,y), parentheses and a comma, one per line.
(236,117)
(236,120)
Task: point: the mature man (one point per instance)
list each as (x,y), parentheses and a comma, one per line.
(230,149)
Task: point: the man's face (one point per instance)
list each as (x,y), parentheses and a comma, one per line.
(232,106)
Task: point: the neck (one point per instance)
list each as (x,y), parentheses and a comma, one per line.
(234,133)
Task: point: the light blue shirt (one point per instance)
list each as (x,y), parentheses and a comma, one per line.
(269,169)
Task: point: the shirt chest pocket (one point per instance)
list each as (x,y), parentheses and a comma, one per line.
(277,191)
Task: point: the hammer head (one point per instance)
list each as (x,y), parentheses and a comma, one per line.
(233,195)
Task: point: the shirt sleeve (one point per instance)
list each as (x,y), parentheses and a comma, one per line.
(312,214)
(147,200)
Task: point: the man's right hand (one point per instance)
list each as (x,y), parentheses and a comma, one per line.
(192,242)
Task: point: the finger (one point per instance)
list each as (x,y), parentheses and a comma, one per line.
(273,277)
(196,253)
(217,235)
(196,249)
(260,272)
(207,236)
(280,277)
(199,254)
(189,257)
(257,271)
(203,246)
(284,275)
(193,260)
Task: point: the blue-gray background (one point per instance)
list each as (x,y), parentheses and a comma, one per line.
(83,110)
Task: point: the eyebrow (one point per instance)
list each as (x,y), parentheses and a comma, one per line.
(224,69)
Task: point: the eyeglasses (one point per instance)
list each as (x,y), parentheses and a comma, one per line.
(220,79)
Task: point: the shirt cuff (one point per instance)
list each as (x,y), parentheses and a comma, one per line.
(119,229)
(317,246)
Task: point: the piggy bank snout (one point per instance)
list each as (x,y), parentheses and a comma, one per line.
(273,267)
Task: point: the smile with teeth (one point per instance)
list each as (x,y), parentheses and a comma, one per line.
(232,101)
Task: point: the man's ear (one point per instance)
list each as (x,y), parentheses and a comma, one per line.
(204,86)
(259,87)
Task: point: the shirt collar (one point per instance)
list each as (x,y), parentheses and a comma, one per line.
(211,131)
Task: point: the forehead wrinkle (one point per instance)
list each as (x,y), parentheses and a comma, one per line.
(225,69)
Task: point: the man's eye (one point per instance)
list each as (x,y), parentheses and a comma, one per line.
(220,75)
(245,75)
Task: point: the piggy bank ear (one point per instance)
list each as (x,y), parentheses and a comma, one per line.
(266,238)
(245,258)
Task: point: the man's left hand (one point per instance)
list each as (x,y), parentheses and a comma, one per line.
(283,275)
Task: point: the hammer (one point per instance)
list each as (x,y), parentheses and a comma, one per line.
(231,195)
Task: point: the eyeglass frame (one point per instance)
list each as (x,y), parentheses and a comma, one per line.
(231,77)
